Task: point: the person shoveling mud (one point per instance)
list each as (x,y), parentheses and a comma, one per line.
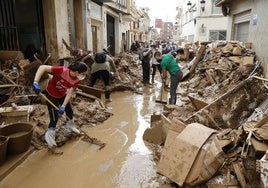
(59,92)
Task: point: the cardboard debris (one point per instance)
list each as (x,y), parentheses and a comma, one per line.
(227,181)
(239,174)
(177,125)
(263,170)
(209,159)
(232,107)
(180,151)
(157,133)
(154,134)
(261,133)
(198,104)
(237,51)
(259,147)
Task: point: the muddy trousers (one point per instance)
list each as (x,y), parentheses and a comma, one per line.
(155,66)
(53,113)
(107,94)
(174,82)
(145,72)
(105,76)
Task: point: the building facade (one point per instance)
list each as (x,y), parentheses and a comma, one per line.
(83,24)
(247,22)
(201,21)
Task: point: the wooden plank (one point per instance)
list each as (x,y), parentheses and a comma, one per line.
(260,123)
(195,61)
(86,95)
(9,85)
(90,90)
(239,175)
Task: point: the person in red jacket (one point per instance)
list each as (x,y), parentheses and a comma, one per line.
(59,91)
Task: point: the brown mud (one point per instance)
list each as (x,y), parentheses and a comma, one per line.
(125,161)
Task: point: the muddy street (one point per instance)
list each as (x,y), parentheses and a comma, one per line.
(125,161)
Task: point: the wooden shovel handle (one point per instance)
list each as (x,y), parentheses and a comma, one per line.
(49,101)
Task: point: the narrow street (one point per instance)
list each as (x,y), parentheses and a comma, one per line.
(125,161)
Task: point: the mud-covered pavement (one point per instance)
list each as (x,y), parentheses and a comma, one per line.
(125,161)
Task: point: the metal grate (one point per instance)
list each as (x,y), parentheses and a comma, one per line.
(8,29)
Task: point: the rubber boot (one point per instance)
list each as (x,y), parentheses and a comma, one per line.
(172,101)
(107,96)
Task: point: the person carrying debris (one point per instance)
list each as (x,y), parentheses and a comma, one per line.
(155,64)
(101,69)
(59,92)
(169,64)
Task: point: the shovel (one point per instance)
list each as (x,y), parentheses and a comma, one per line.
(87,138)
(161,94)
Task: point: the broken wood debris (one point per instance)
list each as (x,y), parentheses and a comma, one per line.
(225,79)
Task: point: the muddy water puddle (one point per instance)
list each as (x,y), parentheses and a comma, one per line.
(125,161)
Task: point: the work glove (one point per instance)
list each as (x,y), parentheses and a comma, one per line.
(36,87)
(61,109)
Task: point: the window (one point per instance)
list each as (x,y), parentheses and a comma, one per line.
(122,2)
(241,31)
(191,38)
(217,35)
(215,10)
(241,26)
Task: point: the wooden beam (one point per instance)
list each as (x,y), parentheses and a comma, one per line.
(91,90)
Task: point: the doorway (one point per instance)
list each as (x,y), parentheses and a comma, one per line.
(94,38)
(110,35)
(22,26)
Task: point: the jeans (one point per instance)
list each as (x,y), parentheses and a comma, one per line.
(174,82)
(158,66)
(145,71)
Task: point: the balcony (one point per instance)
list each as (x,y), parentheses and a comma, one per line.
(219,3)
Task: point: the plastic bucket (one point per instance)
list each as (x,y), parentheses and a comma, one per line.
(20,135)
(3,148)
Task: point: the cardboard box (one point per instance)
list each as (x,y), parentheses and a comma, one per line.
(160,125)
(177,125)
(157,133)
(180,151)
(208,161)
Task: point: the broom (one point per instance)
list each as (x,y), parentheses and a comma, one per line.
(161,93)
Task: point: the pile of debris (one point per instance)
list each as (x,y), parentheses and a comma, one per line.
(17,97)
(218,131)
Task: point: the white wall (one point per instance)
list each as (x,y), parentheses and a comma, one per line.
(211,22)
(257,33)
